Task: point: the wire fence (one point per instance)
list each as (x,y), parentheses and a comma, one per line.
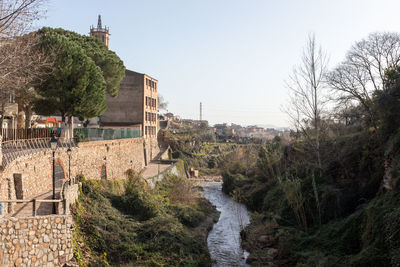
(14,149)
(97,134)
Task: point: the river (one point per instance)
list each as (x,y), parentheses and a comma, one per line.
(224,239)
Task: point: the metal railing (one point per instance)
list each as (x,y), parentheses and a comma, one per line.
(97,134)
(32,133)
(18,148)
(35,201)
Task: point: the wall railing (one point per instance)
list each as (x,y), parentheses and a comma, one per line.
(35,203)
(14,149)
(9,134)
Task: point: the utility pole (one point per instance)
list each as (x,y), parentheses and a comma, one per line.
(201,112)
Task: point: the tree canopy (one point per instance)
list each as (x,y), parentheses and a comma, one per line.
(110,64)
(84,71)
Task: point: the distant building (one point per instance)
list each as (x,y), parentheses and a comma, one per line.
(101,33)
(196,123)
(137,102)
(169,116)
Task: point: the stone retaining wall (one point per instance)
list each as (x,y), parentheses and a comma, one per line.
(88,158)
(36,241)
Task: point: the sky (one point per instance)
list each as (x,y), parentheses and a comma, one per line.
(232,55)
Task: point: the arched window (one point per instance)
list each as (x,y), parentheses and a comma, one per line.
(104,172)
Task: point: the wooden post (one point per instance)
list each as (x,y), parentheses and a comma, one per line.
(34,207)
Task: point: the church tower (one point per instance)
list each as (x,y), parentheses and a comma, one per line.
(101,33)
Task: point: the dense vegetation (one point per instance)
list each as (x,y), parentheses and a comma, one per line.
(125,223)
(342,211)
(196,146)
(84,71)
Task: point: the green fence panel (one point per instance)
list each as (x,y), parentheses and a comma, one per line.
(96,134)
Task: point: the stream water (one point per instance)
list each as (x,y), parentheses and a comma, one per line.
(224,239)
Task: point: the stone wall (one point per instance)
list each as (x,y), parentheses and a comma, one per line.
(71,194)
(88,158)
(36,241)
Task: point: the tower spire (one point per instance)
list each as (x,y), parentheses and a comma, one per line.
(100,33)
(99,22)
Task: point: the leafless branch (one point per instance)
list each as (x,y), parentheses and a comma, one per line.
(307,99)
(17,16)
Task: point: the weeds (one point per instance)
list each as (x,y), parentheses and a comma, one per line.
(124,223)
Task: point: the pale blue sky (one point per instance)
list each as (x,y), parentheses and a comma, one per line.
(232,55)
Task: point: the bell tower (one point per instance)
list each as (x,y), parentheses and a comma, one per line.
(101,33)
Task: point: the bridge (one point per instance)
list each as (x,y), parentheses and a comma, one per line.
(215,180)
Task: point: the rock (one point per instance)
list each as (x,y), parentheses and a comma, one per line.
(46,239)
(50,257)
(272,251)
(18,262)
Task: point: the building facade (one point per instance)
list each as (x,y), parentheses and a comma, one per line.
(135,106)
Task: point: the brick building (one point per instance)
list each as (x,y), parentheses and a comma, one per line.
(135,106)
(137,102)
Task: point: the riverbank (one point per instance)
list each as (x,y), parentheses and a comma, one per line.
(125,223)
(336,217)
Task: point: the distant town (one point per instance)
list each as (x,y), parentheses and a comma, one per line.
(226,132)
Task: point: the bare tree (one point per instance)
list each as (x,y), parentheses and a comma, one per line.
(162,104)
(20,65)
(20,62)
(17,16)
(363,71)
(306,95)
